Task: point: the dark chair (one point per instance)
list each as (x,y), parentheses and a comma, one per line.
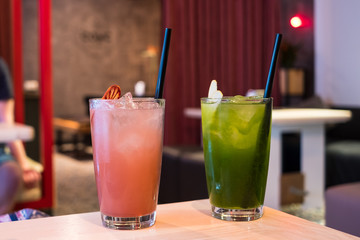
(342,162)
(182,174)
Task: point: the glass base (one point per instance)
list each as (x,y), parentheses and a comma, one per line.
(237,214)
(130,223)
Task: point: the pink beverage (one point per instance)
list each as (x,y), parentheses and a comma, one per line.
(127,147)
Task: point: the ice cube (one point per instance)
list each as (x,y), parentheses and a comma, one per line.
(128,101)
(251,99)
(256,99)
(127,97)
(101,104)
(238,98)
(148,105)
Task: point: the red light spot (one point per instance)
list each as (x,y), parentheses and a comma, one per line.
(296,22)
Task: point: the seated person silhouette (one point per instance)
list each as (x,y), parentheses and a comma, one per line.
(14,165)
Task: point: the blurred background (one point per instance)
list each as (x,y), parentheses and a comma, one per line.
(93,44)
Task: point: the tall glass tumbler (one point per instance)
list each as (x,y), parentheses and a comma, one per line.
(127,151)
(236,140)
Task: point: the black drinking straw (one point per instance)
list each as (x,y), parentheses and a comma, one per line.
(163,62)
(270,79)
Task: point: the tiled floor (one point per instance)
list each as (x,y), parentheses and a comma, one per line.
(315,214)
(75,186)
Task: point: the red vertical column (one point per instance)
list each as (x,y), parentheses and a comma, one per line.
(17,64)
(46,100)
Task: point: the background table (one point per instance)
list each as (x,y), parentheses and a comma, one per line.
(11,132)
(185,220)
(310,123)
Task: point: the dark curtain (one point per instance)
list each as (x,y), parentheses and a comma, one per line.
(5,32)
(228,40)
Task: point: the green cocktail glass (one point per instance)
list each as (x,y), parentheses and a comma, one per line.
(236,140)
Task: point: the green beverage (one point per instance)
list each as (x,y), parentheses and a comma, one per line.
(236,140)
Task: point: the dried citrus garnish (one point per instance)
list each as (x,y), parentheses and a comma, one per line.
(113,92)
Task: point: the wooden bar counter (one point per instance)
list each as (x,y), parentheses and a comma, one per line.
(184,220)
